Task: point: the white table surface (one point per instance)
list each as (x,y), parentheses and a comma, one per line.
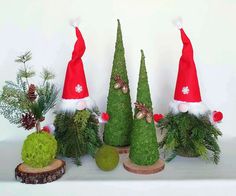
(182,176)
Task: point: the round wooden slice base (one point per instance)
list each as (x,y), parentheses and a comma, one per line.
(29,175)
(123,150)
(137,169)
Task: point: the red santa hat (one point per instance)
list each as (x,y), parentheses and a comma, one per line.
(75,94)
(187,95)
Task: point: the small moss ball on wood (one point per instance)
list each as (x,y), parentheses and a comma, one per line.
(39,149)
(107,158)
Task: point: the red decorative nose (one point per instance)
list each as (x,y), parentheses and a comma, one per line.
(158,117)
(217,116)
(105,116)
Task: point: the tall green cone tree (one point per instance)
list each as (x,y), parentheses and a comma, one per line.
(144,146)
(117,130)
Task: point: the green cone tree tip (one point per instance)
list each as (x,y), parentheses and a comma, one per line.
(117,130)
(144,146)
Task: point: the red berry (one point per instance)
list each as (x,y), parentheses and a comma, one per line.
(46,129)
(105,116)
(157,117)
(217,116)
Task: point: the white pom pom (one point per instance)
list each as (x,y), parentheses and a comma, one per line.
(74,22)
(183,107)
(178,22)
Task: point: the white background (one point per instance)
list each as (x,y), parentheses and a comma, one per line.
(42,26)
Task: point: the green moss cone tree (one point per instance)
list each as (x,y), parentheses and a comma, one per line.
(144,146)
(117,130)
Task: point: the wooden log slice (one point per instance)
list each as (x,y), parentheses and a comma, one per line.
(29,175)
(138,169)
(123,150)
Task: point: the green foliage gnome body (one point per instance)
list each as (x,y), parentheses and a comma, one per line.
(144,147)
(77,120)
(117,129)
(190,125)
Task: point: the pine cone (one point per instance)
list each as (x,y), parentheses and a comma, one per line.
(31,92)
(28,121)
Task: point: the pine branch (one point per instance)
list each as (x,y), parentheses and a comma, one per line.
(17,99)
(189,134)
(36,109)
(77,134)
(11,113)
(26,73)
(22,85)
(46,75)
(81,118)
(24,58)
(47,97)
(13,96)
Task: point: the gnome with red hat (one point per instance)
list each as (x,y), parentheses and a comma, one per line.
(191,126)
(77,120)
(75,94)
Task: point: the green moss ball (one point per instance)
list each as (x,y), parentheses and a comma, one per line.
(39,149)
(107,158)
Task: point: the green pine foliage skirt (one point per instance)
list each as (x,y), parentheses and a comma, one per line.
(77,134)
(190,136)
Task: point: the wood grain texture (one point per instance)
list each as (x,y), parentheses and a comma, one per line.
(138,169)
(29,175)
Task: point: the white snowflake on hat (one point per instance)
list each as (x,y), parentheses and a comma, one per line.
(78,88)
(185,90)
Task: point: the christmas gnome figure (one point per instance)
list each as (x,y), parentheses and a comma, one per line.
(75,92)
(191,126)
(144,154)
(77,121)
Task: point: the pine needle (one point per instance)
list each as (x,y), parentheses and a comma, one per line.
(77,134)
(190,135)
(26,73)
(24,58)
(47,75)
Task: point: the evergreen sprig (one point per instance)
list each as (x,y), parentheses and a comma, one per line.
(47,97)
(26,73)
(189,135)
(27,56)
(14,97)
(77,134)
(47,75)
(13,101)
